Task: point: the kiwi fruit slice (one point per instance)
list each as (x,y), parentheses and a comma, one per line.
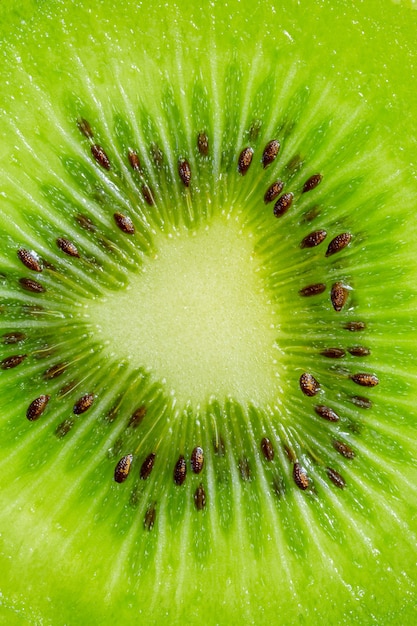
(208,306)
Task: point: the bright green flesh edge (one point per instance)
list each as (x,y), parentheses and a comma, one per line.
(333,83)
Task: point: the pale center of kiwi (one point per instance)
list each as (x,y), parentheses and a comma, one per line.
(198,318)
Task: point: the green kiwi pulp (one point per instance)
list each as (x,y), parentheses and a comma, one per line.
(208,313)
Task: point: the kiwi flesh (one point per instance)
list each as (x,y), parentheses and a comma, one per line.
(208,314)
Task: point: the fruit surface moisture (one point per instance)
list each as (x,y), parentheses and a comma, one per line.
(208,313)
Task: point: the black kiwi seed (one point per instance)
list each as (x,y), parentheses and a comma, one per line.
(312,182)
(147,466)
(150,515)
(300,477)
(313,239)
(147,195)
(338,296)
(333,353)
(12,361)
(54,371)
(16,337)
(354,327)
(309,385)
(31,285)
(361,402)
(203,143)
(270,152)
(197,460)
(64,427)
(100,156)
(244,469)
(326,413)
(283,204)
(85,222)
(312,290)
(37,407)
(184,172)
(124,223)
(29,259)
(69,248)
(83,404)
(343,449)
(336,478)
(180,471)
(359,351)
(244,160)
(134,160)
(365,380)
(137,416)
(85,128)
(338,243)
(267,449)
(122,468)
(200,497)
(273,191)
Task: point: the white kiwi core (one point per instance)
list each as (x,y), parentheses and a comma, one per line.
(197,317)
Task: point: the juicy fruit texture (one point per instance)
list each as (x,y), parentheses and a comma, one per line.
(244,450)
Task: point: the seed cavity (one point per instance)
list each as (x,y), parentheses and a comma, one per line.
(336,478)
(270,152)
(219,447)
(31,285)
(359,351)
(16,337)
(312,182)
(147,195)
(134,160)
(12,361)
(361,402)
(244,469)
(85,128)
(37,407)
(100,156)
(67,388)
(300,477)
(365,380)
(354,327)
(267,449)
(203,143)
(150,515)
(326,413)
(312,290)
(157,155)
(197,460)
(85,222)
(30,259)
(124,223)
(338,296)
(309,385)
(147,466)
(184,172)
(283,204)
(54,371)
(122,468)
(200,497)
(273,191)
(244,160)
(64,427)
(67,247)
(313,239)
(338,243)
(333,353)
(343,449)
(83,404)
(180,471)
(137,416)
